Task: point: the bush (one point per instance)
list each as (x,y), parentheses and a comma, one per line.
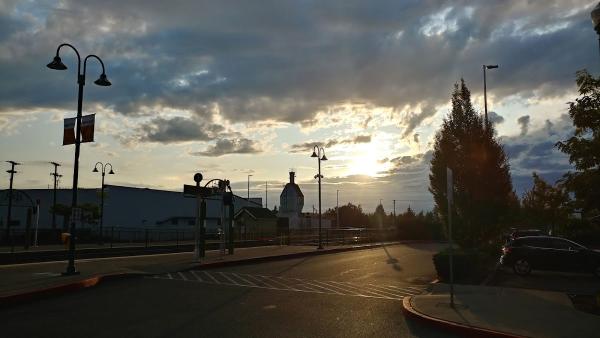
(470,266)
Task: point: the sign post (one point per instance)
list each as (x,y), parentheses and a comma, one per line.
(449,193)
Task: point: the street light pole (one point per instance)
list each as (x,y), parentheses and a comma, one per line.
(12,172)
(57,64)
(111,172)
(317,153)
(337,208)
(55,176)
(249,188)
(266,194)
(485,92)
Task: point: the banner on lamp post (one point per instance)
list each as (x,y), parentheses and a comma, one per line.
(87,128)
(69,131)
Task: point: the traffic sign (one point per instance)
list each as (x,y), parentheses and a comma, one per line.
(194,191)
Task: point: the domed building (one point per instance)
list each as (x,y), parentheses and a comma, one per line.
(291,202)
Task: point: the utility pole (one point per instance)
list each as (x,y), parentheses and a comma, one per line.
(12,172)
(337,208)
(394,212)
(249,188)
(266,195)
(55,176)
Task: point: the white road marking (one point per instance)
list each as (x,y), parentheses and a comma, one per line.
(244,279)
(211,277)
(299,285)
(195,275)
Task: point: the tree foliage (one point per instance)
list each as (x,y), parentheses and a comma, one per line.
(583,147)
(483,192)
(545,205)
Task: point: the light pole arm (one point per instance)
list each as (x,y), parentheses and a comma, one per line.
(76,52)
(106,165)
(95,57)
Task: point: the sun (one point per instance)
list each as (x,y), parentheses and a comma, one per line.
(368,160)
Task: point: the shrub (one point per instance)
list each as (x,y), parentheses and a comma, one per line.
(470,266)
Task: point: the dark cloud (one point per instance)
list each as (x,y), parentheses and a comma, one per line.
(286,60)
(524,121)
(495,118)
(416,137)
(413,120)
(308,146)
(177,129)
(227,146)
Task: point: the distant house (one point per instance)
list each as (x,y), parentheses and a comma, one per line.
(255,223)
(291,202)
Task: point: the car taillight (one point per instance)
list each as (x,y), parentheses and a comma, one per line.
(506,250)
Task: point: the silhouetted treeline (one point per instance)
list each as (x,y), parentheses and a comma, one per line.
(410,225)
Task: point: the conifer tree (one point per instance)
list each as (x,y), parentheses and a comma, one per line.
(483,192)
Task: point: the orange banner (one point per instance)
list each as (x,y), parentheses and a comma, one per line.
(87,128)
(69,131)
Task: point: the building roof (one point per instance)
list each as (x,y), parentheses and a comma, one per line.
(256,213)
(295,187)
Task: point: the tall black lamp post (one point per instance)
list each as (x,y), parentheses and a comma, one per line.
(485,92)
(319,153)
(111,172)
(57,64)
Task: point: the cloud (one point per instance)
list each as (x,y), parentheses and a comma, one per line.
(244,59)
(177,129)
(308,146)
(413,120)
(495,118)
(524,122)
(226,146)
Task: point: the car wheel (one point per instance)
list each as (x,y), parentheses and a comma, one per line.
(522,267)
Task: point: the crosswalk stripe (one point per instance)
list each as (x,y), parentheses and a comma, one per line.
(211,277)
(244,279)
(182,276)
(229,279)
(296,284)
(198,278)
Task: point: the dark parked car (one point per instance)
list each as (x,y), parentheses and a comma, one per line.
(549,253)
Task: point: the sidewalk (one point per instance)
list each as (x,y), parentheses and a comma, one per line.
(44,278)
(483,311)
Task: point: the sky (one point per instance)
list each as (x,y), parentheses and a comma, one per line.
(238,88)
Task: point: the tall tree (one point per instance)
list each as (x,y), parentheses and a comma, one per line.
(483,192)
(583,147)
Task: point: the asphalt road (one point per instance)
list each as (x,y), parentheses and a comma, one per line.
(353,294)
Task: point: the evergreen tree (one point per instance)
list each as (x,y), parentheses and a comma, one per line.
(583,147)
(483,192)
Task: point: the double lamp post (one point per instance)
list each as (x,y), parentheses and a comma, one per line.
(319,153)
(103,171)
(57,64)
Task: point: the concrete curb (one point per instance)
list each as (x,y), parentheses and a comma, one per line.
(38,294)
(456,328)
(34,295)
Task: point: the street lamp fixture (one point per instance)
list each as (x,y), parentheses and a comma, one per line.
(111,172)
(57,64)
(317,151)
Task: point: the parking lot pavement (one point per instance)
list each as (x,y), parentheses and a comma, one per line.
(579,284)
(352,294)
